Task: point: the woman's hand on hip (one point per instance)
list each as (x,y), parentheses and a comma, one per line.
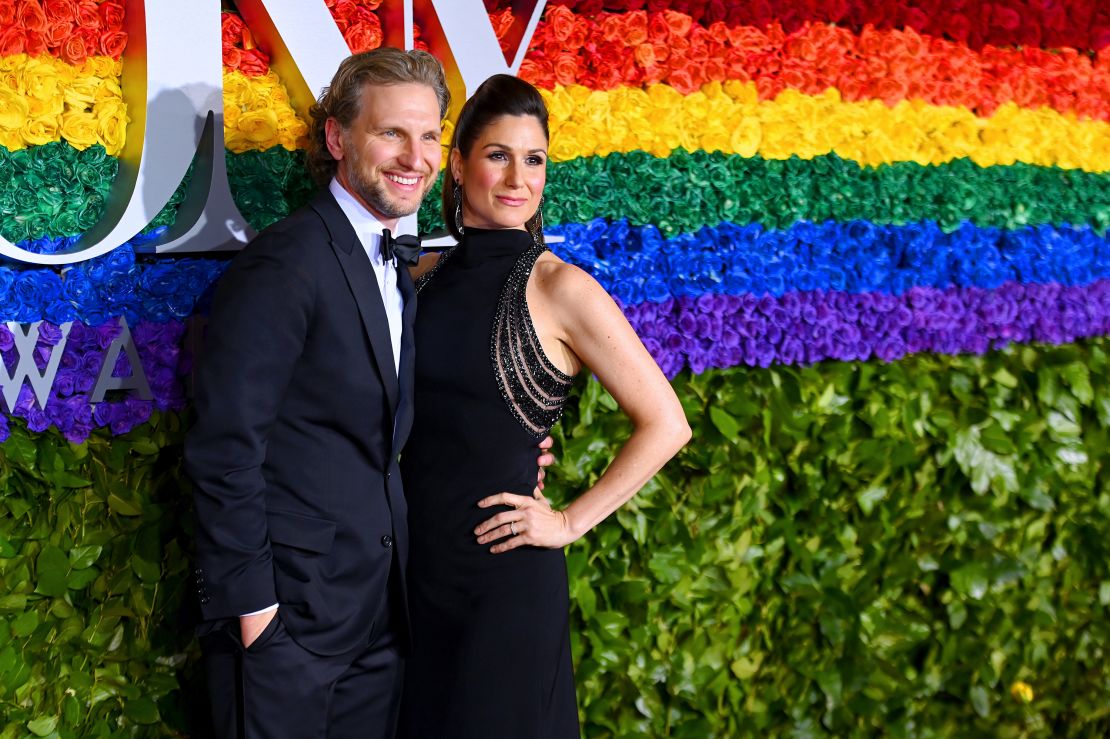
(532,522)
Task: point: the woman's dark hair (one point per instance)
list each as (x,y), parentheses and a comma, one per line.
(500,95)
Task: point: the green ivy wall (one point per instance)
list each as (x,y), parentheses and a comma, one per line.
(908,549)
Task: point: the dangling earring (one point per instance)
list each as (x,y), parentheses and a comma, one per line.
(458,208)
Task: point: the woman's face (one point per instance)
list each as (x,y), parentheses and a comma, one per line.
(504,175)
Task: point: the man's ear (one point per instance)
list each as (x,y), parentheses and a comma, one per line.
(456,165)
(333,134)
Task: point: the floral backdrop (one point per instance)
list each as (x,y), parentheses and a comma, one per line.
(769,184)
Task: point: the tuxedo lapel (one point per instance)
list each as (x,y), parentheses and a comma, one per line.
(408,359)
(360,278)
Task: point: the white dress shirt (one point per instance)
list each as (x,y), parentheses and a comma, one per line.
(369,230)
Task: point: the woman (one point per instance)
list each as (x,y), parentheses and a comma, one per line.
(503,328)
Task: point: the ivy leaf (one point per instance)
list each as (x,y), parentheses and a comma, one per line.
(43,725)
(141,711)
(51,567)
(25,624)
(724,422)
(82,557)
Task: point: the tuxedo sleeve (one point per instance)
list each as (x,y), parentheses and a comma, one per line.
(255,334)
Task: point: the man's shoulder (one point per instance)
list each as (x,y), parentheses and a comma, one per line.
(303,234)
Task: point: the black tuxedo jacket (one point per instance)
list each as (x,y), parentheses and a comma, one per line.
(301,417)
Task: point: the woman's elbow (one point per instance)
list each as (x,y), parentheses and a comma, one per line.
(678,431)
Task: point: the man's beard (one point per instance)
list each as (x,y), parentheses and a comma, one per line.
(373,193)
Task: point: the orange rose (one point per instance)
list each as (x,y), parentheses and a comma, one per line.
(364,36)
(679,23)
(74,50)
(232,56)
(644,55)
(682,80)
(88,15)
(111,16)
(566,68)
(7,12)
(58,32)
(561,21)
(31,17)
(61,10)
(113,43)
(612,29)
(635,28)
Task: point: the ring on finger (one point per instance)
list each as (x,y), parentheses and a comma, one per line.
(512,527)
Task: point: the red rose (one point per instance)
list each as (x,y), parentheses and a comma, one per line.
(565,68)
(344,9)
(364,36)
(658,30)
(958,28)
(111,16)
(13,40)
(231,29)
(254,62)
(7,12)
(88,15)
(31,17)
(232,56)
(502,22)
(74,50)
(61,10)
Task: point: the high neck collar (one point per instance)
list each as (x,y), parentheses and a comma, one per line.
(480,244)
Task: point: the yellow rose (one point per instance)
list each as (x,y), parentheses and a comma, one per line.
(258,127)
(79,129)
(448,132)
(111,124)
(13,62)
(231,117)
(51,108)
(80,96)
(40,79)
(744,93)
(237,90)
(746,137)
(13,110)
(102,67)
(565,142)
(39,131)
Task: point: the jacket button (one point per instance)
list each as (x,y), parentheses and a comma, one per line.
(388,475)
(387,541)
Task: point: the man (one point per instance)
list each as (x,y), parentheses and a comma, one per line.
(303,406)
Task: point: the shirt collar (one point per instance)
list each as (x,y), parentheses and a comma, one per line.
(364,222)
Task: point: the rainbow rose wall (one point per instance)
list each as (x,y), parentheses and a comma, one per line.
(866,241)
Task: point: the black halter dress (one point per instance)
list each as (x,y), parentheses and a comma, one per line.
(491,640)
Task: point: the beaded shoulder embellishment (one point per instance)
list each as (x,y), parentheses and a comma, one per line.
(534,389)
(423,279)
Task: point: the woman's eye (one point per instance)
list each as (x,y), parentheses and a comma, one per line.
(535,161)
(497,155)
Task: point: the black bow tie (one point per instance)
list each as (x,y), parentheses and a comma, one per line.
(405,248)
